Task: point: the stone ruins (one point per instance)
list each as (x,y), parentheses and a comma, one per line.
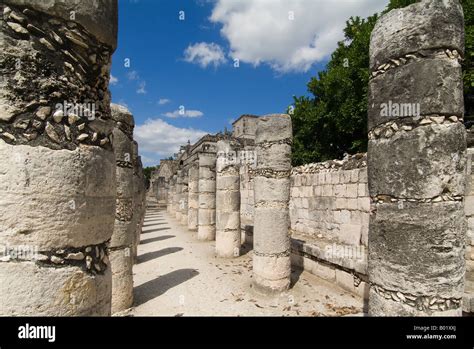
(394,227)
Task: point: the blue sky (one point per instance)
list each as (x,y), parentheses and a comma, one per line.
(188,65)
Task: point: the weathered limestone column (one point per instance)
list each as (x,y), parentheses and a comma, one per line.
(271,261)
(207,197)
(138,203)
(184,198)
(193,198)
(170,196)
(57,168)
(173,195)
(123,238)
(179,195)
(417,161)
(228,239)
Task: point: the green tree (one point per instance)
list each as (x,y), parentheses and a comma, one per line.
(334,120)
(147,172)
(399,4)
(468,64)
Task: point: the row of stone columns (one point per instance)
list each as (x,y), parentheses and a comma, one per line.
(209,194)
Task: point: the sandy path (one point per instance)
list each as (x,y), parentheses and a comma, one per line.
(177,275)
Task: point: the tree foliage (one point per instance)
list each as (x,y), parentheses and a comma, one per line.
(468,65)
(147,172)
(333,121)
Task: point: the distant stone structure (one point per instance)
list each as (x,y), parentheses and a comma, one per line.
(57,174)
(245,127)
(160,181)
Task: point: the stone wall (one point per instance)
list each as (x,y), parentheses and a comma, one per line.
(329,211)
(331,199)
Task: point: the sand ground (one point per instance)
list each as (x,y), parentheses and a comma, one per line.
(177,275)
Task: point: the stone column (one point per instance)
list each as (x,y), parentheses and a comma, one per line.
(184,198)
(271,260)
(57,168)
(193,198)
(138,204)
(123,238)
(207,197)
(172,197)
(417,161)
(228,237)
(169,196)
(179,195)
(141,176)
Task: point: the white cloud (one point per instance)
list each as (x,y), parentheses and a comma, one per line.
(133,75)
(205,54)
(261,31)
(113,80)
(123,103)
(160,139)
(184,113)
(141,84)
(148,161)
(141,88)
(163,101)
